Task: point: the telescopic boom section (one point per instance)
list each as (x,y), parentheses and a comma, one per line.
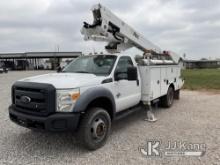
(107,27)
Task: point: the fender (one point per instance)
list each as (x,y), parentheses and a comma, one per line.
(91,94)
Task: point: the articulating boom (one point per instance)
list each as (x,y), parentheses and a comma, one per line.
(107,27)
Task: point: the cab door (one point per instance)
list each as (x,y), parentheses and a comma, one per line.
(127,93)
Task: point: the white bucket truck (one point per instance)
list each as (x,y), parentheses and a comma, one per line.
(92,91)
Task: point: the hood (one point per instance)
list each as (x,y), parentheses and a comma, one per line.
(66,80)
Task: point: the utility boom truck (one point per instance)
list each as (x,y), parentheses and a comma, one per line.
(93,91)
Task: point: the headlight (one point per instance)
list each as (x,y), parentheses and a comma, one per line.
(66,99)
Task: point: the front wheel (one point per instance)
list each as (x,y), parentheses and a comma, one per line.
(94,128)
(167,100)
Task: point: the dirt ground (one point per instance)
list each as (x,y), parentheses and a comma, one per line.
(192,119)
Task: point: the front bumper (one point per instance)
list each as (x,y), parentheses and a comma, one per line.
(53,122)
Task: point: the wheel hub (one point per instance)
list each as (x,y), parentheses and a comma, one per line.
(98,128)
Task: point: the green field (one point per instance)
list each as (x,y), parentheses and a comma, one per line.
(196,79)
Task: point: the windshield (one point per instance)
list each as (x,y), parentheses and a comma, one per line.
(95,64)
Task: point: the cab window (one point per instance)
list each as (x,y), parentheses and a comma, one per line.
(123,64)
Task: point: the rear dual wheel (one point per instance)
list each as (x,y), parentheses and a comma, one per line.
(167,100)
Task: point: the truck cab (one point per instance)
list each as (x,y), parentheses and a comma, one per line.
(66,100)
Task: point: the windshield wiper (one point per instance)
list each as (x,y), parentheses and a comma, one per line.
(83,72)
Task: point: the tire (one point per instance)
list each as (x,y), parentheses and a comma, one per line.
(177,95)
(94,128)
(167,100)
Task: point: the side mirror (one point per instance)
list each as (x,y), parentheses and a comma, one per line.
(118,76)
(132,73)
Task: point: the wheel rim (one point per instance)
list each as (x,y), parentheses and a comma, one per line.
(98,129)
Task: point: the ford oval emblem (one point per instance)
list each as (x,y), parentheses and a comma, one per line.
(25,99)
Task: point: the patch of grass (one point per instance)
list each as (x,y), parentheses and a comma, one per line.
(196,79)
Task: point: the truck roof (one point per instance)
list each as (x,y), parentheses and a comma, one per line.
(118,55)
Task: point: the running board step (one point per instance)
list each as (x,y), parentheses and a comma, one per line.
(127,112)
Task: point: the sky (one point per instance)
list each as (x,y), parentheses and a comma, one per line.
(183,26)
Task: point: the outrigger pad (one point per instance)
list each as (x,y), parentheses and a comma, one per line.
(150,116)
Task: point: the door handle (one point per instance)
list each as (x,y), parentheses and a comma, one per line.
(118,95)
(138,82)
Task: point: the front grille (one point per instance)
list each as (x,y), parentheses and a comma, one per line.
(41,98)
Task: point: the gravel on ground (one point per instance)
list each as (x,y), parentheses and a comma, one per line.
(193,119)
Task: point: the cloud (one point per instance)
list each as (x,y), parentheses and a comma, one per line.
(184,26)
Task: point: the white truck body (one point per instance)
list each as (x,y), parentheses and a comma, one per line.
(157,79)
(154,81)
(93,90)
